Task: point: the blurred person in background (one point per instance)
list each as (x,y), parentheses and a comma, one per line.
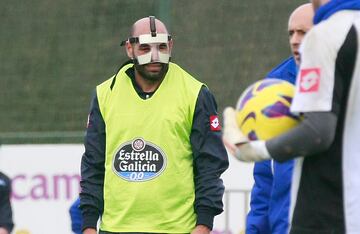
(75,217)
(153,150)
(270,195)
(326,182)
(6,221)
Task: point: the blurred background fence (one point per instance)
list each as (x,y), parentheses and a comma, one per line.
(54,53)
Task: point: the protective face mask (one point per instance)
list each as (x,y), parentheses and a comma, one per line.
(158,47)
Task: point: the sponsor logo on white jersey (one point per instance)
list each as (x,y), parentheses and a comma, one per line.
(309,80)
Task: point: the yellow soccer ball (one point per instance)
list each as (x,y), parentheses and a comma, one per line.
(263,110)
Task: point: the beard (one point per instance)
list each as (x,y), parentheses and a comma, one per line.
(152,76)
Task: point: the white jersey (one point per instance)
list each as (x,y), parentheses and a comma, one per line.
(316,78)
(328,80)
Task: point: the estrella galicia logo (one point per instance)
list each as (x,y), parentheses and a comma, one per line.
(139,160)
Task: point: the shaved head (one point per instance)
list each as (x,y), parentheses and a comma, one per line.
(142,26)
(300,22)
(304,12)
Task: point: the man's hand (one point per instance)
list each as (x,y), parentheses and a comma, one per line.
(90,231)
(201,229)
(237,144)
(232,134)
(3,231)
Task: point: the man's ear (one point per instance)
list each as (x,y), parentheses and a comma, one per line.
(129,50)
(171,43)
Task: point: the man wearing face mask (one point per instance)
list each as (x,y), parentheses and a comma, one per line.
(153,150)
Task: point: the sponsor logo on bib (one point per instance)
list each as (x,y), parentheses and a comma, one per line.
(139,160)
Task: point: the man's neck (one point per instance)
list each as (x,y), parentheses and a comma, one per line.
(146,85)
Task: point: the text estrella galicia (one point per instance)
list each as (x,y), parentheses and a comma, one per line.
(139,160)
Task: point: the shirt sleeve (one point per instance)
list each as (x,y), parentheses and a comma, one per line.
(210,159)
(312,135)
(257,220)
(92,167)
(6,220)
(316,77)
